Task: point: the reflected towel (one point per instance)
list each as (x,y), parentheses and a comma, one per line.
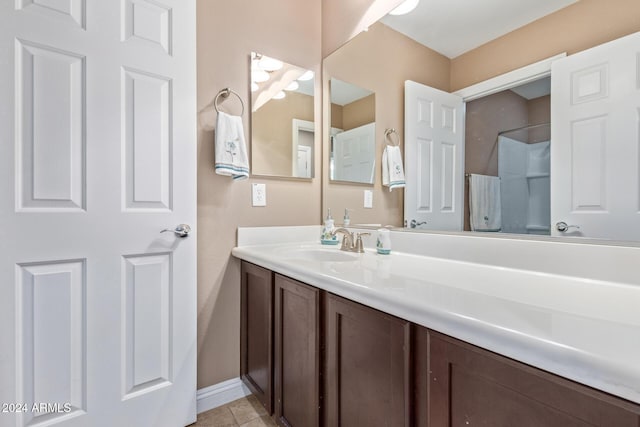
(392,170)
(230,147)
(484,203)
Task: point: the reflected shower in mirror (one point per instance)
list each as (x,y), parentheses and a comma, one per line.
(282,119)
(524,165)
(508,135)
(352,155)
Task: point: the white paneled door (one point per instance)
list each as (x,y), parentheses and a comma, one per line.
(595,105)
(354,154)
(434,158)
(97,156)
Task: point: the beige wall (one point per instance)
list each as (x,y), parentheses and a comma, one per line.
(272,133)
(357,113)
(580,26)
(539,113)
(336,116)
(227,32)
(379,60)
(360,112)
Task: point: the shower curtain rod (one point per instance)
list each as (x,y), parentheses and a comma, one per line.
(524,127)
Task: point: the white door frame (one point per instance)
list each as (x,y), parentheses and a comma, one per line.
(520,76)
(297,125)
(307,154)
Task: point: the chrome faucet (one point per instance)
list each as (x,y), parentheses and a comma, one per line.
(351,242)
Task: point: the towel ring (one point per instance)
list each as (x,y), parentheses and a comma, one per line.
(389,132)
(225,94)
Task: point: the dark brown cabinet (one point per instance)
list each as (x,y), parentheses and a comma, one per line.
(316,359)
(297,353)
(256,342)
(472,386)
(367,373)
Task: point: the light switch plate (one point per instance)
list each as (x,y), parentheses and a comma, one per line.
(368,199)
(259,194)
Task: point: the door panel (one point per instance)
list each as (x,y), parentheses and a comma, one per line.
(595,153)
(50,130)
(354,154)
(434,154)
(147,103)
(97,308)
(148,313)
(51,336)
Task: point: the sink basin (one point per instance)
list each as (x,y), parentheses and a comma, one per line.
(321,255)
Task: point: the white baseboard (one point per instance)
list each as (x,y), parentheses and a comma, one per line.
(220,394)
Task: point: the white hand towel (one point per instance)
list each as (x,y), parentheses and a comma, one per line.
(392,170)
(230,147)
(484,203)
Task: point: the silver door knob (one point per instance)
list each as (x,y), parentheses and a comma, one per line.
(181,230)
(415,223)
(563,227)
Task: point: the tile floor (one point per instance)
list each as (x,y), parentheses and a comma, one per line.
(245,412)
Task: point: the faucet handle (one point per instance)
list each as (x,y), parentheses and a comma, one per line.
(347,240)
(359,247)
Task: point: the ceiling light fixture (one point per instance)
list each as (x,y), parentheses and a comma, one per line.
(259,76)
(306,76)
(405,7)
(254,86)
(279,95)
(269,64)
(294,85)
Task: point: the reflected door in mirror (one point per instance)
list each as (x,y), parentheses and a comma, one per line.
(353,133)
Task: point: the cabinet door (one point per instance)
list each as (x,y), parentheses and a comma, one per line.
(256,346)
(297,353)
(471,386)
(367,366)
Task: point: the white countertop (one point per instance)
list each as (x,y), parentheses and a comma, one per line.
(581,328)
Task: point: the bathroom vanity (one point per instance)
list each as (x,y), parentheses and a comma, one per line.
(333,338)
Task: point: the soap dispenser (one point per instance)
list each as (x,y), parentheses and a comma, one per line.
(346,220)
(327,237)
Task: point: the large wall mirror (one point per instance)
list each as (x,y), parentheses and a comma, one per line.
(509,133)
(353,132)
(282,119)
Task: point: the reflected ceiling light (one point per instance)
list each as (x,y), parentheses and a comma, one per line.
(405,7)
(269,64)
(259,76)
(254,86)
(292,86)
(279,95)
(306,76)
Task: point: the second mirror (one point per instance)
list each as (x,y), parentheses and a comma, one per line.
(352,156)
(282,118)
